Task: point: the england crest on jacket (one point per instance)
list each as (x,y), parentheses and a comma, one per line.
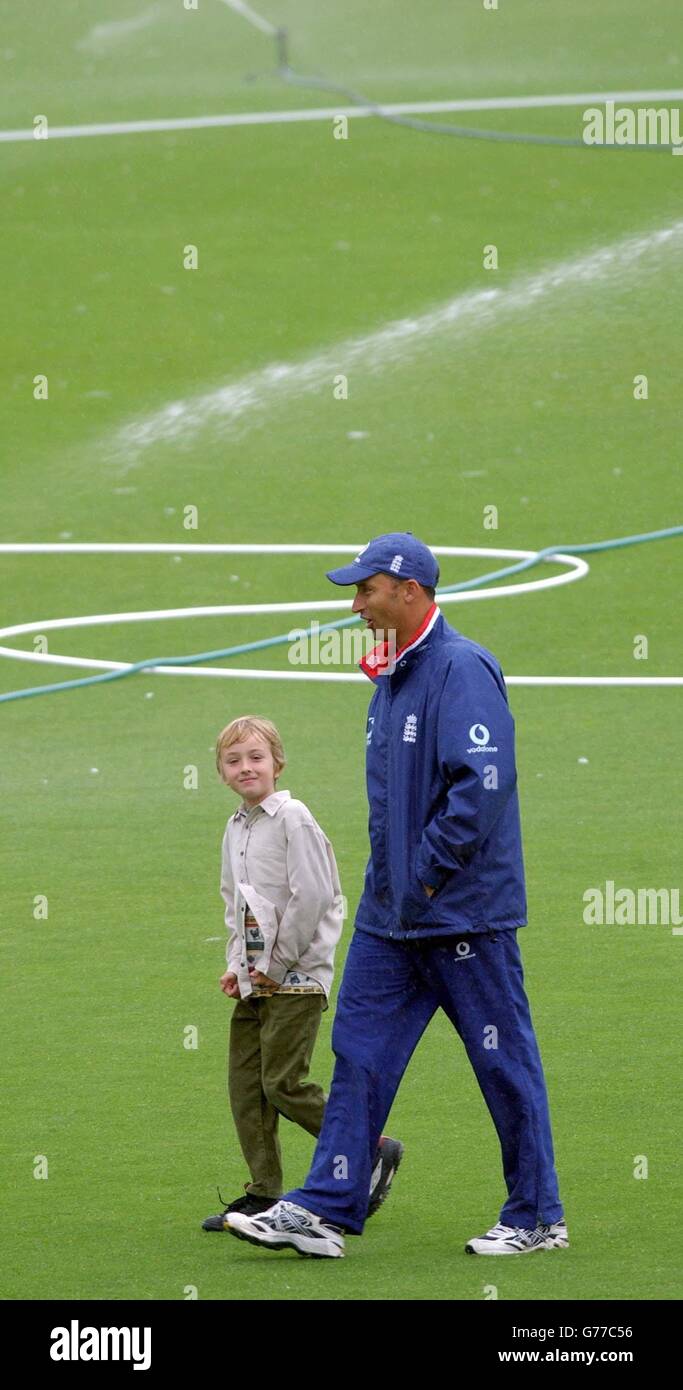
(410,729)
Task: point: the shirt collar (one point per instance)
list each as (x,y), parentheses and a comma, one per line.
(270,804)
(378,663)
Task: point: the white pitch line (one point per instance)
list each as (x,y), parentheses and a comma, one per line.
(328,113)
(394,343)
(239,548)
(594,680)
(577,568)
(255,673)
(580,568)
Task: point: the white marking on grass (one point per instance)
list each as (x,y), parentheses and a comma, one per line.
(102,36)
(396,342)
(255,673)
(328,113)
(577,568)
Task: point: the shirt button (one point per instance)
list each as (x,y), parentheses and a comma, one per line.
(402,663)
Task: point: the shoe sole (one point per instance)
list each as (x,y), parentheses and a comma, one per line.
(283,1242)
(377,1202)
(531,1250)
(553,1243)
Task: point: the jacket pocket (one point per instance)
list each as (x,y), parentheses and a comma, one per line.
(266,915)
(415,906)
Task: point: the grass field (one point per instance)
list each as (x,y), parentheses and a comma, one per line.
(310,249)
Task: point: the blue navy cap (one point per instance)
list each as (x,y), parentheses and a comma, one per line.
(398,553)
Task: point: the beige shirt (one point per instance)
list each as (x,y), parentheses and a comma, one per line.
(278,864)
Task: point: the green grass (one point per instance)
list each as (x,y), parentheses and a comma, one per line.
(136,1128)
(306,243)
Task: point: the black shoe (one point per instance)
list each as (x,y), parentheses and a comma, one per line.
(387,1158)
(249,1205)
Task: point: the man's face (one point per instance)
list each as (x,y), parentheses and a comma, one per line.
(378,600)
(248,769)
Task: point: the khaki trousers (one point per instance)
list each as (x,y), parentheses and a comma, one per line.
(271,1045)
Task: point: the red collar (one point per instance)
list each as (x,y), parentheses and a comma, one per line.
(379,661)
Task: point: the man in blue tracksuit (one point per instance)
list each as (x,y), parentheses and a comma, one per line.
(436,925)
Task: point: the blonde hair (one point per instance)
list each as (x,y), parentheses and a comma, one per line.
(252,724)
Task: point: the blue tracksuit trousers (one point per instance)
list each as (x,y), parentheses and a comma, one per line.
(389,992)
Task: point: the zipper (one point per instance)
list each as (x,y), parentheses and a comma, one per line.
(389,783)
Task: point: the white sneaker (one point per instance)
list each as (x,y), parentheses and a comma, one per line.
(286,1224)
(555,1235)
(518,1240)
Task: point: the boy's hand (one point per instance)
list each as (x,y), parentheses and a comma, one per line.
(258,979)
(229,985)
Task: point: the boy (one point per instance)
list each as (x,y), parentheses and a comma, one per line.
(284,913)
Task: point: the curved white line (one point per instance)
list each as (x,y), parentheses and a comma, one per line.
(255,673)
(230,548)
(576,569)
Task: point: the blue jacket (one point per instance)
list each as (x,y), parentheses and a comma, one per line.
(442,791)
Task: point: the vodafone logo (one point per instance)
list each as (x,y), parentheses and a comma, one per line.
(480,736)
(479,733)
(463,951)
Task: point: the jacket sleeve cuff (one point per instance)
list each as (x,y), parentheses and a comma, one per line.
(233,958)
